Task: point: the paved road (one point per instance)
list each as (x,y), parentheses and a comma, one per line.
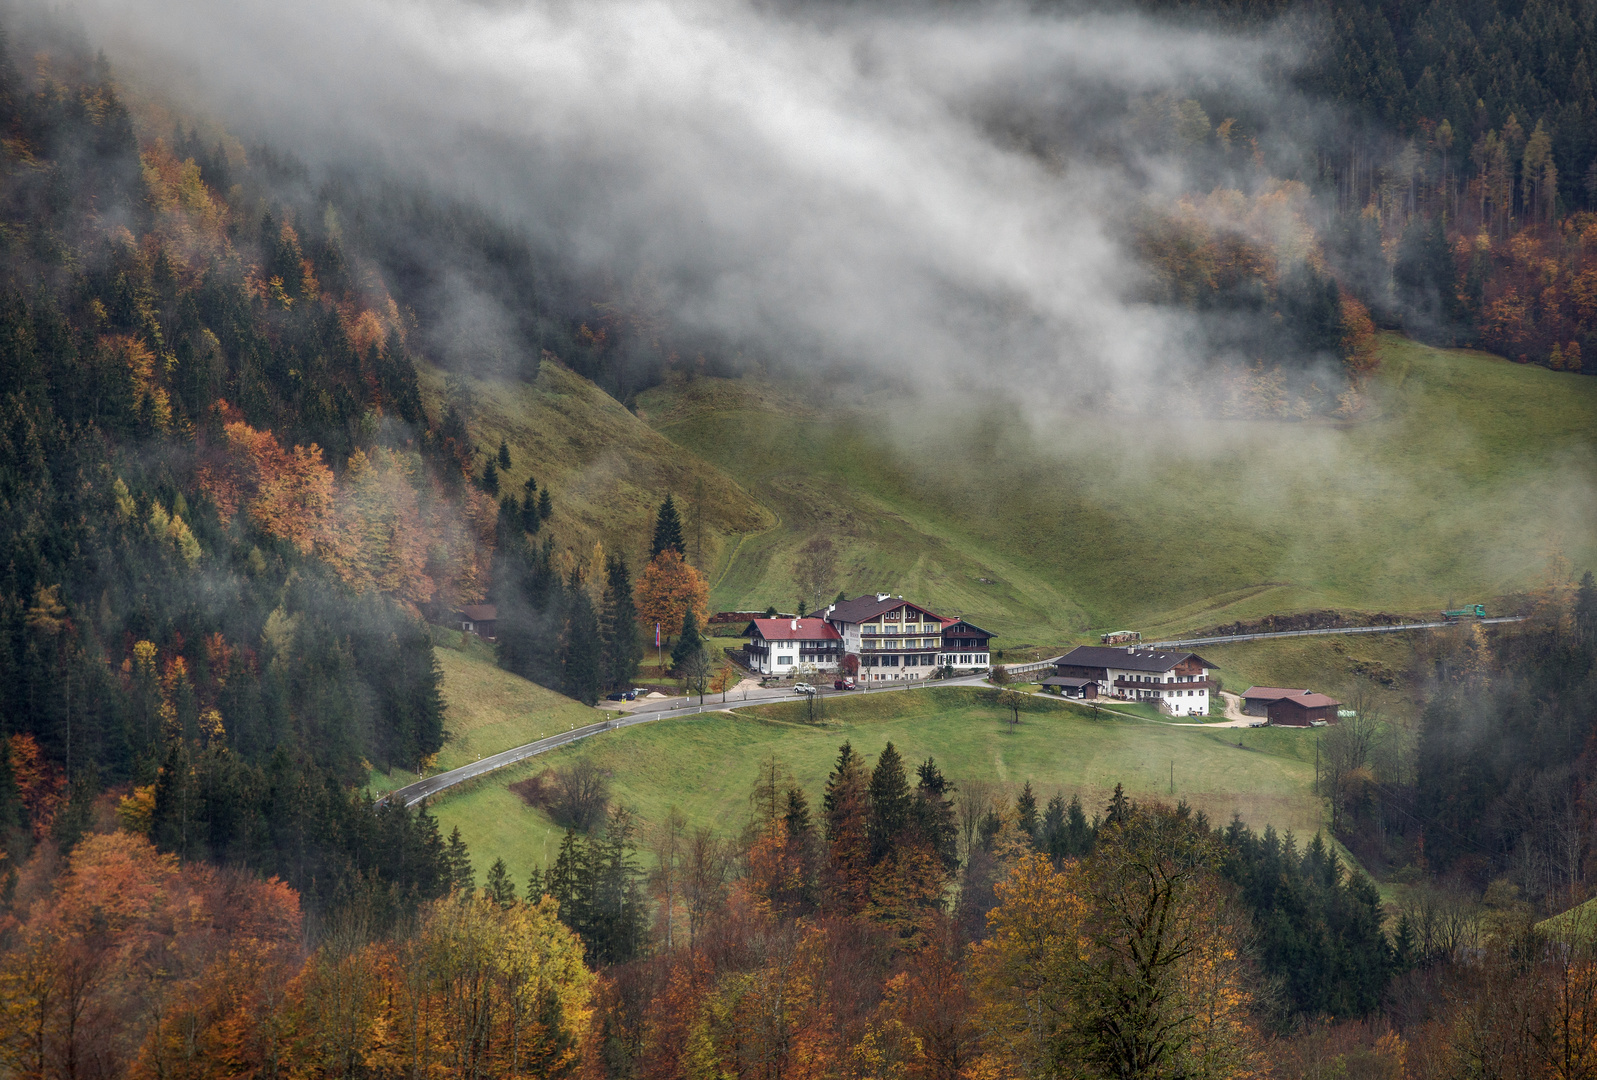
(1223,638)
(665,709)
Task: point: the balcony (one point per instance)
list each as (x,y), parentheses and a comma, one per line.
(1161,687)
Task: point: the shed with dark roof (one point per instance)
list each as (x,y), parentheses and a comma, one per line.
(1303,710)
(1072,688)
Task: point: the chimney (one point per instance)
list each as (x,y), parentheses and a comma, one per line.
(882,596)
(1131,650)
(795,624)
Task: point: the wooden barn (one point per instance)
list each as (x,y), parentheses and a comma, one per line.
(1303,710)
(479,619)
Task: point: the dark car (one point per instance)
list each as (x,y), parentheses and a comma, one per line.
(619,697)
(844,684)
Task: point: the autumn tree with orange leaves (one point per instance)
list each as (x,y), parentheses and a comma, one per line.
(667,590)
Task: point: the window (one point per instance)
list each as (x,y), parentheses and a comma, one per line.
(784,659)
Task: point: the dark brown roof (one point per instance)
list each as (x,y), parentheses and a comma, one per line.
(868,607)
(1105,656)
(1076,684)
(479,613)
(950,624)
(1307,701)
(785,630)
(1271,693)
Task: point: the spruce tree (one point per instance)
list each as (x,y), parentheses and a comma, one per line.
(581,657)
(1051,842)
(618,626)
(1078,833)
(457,863)
(546,505)
(689,641)
(1026,812)
(934,817)
(490,477)
(498,886)
(667,530)
(531,519)
(504,454)
(890,803)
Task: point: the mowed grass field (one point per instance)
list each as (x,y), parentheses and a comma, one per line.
(706,765)
(1464,480)
(487,709)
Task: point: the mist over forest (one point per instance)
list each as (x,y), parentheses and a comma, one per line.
(275,279)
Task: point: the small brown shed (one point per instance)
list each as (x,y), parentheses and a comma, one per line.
(1302,710)
(479,619)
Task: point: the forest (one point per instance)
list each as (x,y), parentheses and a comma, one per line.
(227,519)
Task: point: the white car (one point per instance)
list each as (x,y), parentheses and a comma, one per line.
(803,688)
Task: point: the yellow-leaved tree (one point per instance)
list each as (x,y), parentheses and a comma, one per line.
(1124,964)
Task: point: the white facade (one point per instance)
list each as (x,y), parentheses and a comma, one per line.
(793,647)
(1172,693)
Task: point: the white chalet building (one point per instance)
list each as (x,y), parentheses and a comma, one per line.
(1178,682)
(897,640)
(792,646)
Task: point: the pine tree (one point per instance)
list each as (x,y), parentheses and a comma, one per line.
(531,517)
(1026,812)
(546,505)
(618,626)
(1052,840)
(667,530)
(490,478)
(498,887)
(457,863)
(689,641)
(504,455)
(890,803)
(846,809)
(1078,833)
(581,658)
(934,817)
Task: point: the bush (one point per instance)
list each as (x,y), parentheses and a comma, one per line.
(576,797)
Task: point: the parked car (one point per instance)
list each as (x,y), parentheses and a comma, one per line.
(803,688)
(844,684)
(617,696)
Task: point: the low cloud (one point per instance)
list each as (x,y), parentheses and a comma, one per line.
(933,194)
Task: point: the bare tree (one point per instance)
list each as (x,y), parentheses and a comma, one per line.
(670,844)
(709,864)
(975,799)
(815,570)
(580,793)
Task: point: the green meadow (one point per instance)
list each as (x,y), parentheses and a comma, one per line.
(1467,479)
(1464,481)
(706,765)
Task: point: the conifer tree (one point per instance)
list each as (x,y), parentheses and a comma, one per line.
(934,819)
(890,803)
(667,530)
(504,455)
(531,518)
(1026,812)
(490,477)
(582,650)
(546,505)
(618,626)
(457,863)
(689,642)
(498,887)
(845,808)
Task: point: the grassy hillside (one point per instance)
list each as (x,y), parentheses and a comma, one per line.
(1468,473)
(706,765)
(486,709)
(606,470)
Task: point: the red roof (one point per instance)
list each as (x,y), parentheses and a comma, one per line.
(795,630)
